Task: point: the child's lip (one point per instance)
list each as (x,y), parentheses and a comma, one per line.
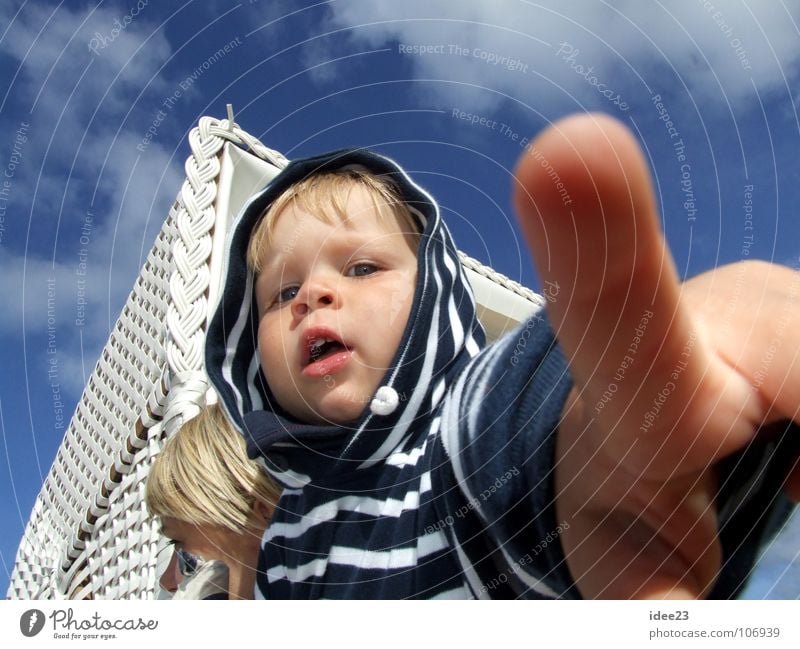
(314,333)
(328,365)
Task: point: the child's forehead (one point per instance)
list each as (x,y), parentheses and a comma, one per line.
(344,200)
(314,238)
(362,214)
(329,203)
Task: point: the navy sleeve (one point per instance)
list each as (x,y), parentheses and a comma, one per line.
(751,504)
(500,437)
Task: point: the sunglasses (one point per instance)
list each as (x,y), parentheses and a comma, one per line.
(188,563)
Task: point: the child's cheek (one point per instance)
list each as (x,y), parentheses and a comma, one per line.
(400,297)
(271,350)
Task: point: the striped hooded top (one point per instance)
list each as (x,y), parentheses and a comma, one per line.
(443,487)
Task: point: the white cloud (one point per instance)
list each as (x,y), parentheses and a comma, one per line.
(60,84)
(29,309)
(710,50)
(67,160)
(53,53)
(40,301)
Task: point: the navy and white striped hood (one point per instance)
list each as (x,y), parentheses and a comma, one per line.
(442,334)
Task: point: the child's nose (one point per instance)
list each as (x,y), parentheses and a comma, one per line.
(171,577)
(315,294)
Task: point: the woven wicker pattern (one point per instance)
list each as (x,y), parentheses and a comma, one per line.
(89,535)
(96,451)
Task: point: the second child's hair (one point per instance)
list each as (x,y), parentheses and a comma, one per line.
(325,196)
(203,476)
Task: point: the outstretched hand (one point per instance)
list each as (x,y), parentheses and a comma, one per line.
(669,377)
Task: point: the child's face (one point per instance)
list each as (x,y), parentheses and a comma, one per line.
(239,550)
(333,303)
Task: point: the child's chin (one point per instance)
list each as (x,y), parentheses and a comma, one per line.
(331,412)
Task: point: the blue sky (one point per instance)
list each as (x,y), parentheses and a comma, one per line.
(450,89)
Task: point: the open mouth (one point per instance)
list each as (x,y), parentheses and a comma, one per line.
(319,343)
(322,348)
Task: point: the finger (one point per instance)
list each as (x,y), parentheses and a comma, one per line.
(586,206)
(755,310)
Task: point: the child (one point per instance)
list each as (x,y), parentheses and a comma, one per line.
(420,463)
(214,504)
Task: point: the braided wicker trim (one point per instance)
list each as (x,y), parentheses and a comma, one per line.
(500,279)
(195,219)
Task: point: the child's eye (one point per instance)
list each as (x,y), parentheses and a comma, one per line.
(287,294)
(170,546)
(361,269)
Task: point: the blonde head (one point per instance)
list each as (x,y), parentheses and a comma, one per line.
(203,476)
(325,196)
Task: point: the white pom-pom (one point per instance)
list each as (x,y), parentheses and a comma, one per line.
(385,401)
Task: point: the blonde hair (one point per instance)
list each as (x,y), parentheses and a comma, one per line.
(203,476)
(325,196)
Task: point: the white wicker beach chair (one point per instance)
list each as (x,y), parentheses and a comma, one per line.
(89,534)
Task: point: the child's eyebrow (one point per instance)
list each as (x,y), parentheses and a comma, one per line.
(353,239)
(272,268)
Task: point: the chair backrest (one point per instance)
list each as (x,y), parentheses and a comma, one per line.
(89,535)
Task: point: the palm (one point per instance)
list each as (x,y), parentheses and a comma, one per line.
(669,377)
